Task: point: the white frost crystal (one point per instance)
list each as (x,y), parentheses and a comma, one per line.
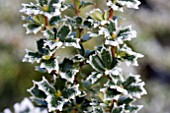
(93,77)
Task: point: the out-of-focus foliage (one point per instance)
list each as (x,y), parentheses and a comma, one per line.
(152,22)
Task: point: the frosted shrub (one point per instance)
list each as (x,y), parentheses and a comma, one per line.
(70,89)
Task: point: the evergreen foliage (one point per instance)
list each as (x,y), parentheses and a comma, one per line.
(70,89)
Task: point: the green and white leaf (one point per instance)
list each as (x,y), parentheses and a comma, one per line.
(104,31)
(97,106)
(97,109)
(118,5)
(96,14)
(54,20)
(110,29)
(32,57)
(134,85)
(30,9)
(77,58)
(113,91)
(94,76)
(45,86)
(50,65)
(96,63)
(129,3)
(38,101)
(69,75)
(53,9)
(115,74)
(106,56)
(63,32)
(35,92)
(102,60)
(53,45)
(71,92)
(71,41)
(118,109)
(126,33)
(32,28)
(128,56)
(55,103)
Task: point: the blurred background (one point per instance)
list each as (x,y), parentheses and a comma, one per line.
(152,22)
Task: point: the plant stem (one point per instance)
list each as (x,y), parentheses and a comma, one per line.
(76,8)
(111,15)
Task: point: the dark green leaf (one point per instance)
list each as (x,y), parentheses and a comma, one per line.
(34,54)
(80,100)
(111,27)
(69,75)
(40,46)
(63,32)
(131,108)
(51,7)
(96,63)
(78,58)
(125,100)
(106,56)
(54,20)
(82,50)
(129,57)
(68,92)
(45,86)
(88,24)
(129,81)
(117,110)
(94,77)
(33,26)
(114,62)
(52,34)
(36,92)
(55,103)
(66,65)
(50,65)
(59,83)
(110,93)
(43,2)
(134,89)
(78,20)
